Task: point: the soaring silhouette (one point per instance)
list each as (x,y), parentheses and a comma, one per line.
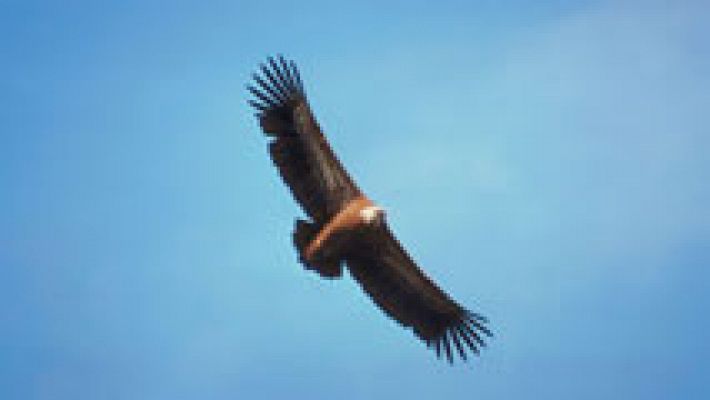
(346,228)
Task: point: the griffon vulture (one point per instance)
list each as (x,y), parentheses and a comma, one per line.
(346,229)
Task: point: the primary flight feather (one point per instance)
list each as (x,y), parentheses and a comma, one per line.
(345,228)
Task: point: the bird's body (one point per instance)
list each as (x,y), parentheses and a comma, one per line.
(345,228)
(358,212)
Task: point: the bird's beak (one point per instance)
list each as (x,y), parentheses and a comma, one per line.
(381,215)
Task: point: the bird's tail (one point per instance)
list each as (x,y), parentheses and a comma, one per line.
(327,267)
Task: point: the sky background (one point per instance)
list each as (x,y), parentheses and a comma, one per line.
(548,163)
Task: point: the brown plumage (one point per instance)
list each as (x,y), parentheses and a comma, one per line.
(345,227)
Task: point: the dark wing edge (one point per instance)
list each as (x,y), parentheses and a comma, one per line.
(303,157)
(394,282)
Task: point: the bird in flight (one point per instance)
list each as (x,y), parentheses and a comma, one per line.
(345,229)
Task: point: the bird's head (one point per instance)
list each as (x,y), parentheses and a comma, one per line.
(373,215)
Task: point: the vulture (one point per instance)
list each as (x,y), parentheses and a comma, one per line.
(344,228)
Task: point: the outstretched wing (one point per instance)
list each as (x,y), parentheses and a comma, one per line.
(301,153)
(395,283)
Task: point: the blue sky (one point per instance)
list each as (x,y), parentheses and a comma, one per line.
(546,162)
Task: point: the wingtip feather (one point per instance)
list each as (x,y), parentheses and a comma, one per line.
(457,343)
(275,91)
(461,335)
(447,347)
